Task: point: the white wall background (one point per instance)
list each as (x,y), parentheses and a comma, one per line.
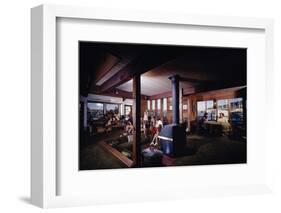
(15,104)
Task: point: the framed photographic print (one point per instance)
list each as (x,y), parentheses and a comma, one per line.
(148,106)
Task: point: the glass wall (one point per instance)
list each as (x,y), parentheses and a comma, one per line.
(206,107)
(226,110)
(98,110)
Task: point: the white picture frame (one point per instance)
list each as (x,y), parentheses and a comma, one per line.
(44,174)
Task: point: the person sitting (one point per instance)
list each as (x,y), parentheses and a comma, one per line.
(221,118)
(108,125)
(205,117)
(202,121)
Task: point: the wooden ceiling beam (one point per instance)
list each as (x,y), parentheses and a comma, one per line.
(143,63)
(186,91)
(107,62)
(217,85)
(122,94)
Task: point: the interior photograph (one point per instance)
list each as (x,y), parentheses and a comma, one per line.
(148,105)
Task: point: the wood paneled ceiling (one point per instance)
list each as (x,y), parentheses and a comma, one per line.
(108,68)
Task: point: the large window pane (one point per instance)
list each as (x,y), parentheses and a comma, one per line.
(206,107)
(210,110)
(112,108)
(153,104)
(95,110)
(236,104)
(164,104)
(159,104)
(236,110)
(148,105)
(201,108)
(210,104)
(223,110)
(222,104)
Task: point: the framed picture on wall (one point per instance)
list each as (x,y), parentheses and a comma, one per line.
(101,84)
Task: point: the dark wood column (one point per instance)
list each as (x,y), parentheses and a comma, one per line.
(175,96)
(137,120)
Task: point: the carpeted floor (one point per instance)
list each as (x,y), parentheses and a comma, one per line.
(206,150)
(200,150)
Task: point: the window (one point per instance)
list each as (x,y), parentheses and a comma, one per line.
(210,104)
(236,110)
(201,108)
(95,110)
(210,110)
(236,104)
(206,107)
(164,104)
(159,104)
(98,110)
(153,104)
(112,108)
(227,110)
(223,108)
(148,105)
(222,104)
(165,107)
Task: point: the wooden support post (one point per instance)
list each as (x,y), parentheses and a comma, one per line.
(137,120)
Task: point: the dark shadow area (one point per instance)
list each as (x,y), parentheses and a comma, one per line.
(26,200)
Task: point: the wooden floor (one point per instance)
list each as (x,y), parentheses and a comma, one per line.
(128,162)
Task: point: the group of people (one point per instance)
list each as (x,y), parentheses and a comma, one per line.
(221,118)
(111,118)
(152,125)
